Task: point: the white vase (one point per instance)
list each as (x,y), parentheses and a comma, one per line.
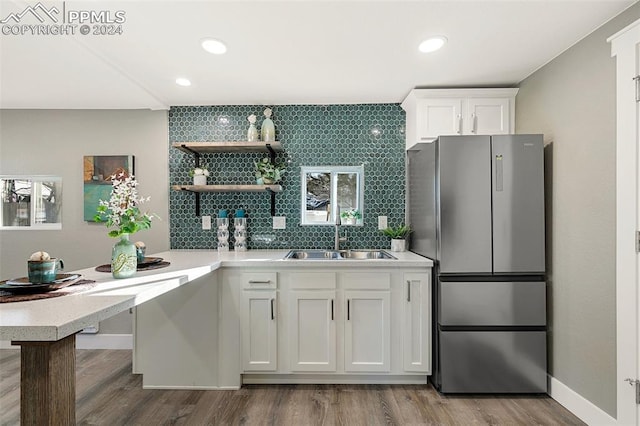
(398,244)
(200,180)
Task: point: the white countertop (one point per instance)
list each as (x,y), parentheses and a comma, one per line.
(56,318)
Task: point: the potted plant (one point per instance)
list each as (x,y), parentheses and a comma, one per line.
(199,175)
(350,217)
(122,212)
(268,173)
(398,236)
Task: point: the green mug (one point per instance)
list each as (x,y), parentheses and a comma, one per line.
(44,271)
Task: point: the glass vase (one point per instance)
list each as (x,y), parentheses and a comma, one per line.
(223,234)
(240,234)
(124,259)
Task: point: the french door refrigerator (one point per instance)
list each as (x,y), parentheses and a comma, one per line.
(476,206)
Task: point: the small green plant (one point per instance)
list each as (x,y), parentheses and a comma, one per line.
(351,214)
(400,232)
(269,172)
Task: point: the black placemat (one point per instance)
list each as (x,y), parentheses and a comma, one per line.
(78,286)
(163,264)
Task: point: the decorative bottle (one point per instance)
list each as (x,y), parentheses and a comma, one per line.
(252,133)
(268,129)
(223,231)
(240,231)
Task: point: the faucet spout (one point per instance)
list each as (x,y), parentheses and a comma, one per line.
(337,233)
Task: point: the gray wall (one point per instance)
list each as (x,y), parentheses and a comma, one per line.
(572,101)
(48,142)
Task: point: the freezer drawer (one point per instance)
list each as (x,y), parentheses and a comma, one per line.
(493,361)
(496,303)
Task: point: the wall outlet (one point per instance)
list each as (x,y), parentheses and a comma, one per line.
(279,222)
(206,222)
(382,222)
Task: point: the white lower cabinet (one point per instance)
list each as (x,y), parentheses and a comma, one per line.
(367,331)
(416,323)
(259,330)
(258,322)
(312,330)
(306,323)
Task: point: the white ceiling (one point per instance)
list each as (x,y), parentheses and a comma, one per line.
(289,52)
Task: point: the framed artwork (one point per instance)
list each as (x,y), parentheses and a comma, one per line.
(98,170)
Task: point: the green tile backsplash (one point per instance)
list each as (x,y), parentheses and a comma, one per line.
(311,135)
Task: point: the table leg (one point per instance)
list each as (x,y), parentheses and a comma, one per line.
(48,382)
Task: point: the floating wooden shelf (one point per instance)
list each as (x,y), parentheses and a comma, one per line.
(240,146)
(198,148)
(227,188)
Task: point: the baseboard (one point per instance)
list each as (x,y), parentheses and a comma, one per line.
(582,408)
(325,379)
(104,341)
(171,387)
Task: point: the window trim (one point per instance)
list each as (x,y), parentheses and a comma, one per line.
(333,171)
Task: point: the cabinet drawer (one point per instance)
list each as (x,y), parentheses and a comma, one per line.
(257,280)
(366,280)
(313,280)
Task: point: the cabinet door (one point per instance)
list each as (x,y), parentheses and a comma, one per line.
(439,117)
(367,331)
(416,324)
(487,116)
(312,330)
(258,316)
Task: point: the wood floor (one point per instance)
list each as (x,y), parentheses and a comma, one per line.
(108,394)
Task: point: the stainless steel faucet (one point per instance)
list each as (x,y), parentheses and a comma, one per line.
(338,238)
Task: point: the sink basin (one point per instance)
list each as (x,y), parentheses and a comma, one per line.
(338,254)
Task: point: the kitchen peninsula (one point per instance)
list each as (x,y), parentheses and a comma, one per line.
(200,329)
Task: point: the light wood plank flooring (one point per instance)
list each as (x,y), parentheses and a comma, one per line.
(108,394)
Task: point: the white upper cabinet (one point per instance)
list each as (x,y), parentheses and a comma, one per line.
(435,112)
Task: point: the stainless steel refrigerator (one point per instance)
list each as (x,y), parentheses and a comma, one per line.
(476,206)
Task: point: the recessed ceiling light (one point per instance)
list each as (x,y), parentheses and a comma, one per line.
(181,81)
(432,44)
(214,46)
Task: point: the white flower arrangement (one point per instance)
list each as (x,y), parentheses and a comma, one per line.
(199,171)
(121,211)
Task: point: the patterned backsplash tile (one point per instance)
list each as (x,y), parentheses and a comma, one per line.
(311,135)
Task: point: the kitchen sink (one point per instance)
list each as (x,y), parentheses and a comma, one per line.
(338,255)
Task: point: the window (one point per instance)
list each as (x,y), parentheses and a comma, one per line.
(329,191)
(31,202)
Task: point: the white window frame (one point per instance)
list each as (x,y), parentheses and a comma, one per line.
(33,225)
(334,171)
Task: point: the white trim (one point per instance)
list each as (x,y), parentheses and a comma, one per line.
(577,404)
(104,341)
(624,48)
(172,387)
(341,379)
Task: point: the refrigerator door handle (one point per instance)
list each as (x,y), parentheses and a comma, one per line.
(499,173)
